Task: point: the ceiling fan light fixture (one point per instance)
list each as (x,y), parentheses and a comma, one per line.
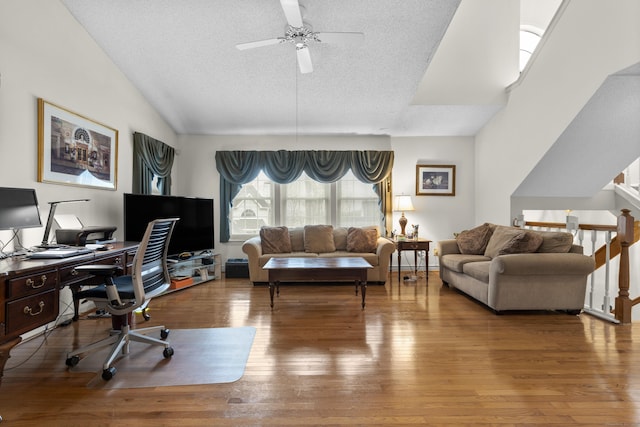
(300,33)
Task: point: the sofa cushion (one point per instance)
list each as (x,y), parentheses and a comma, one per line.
(319,238)
(362,239)
(512,240)
(478,270)
(456,262)
(275,240)
(340,238)
(555,241)
(474,241)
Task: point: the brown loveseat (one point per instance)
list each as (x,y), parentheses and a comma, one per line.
(319,241)
(508,268)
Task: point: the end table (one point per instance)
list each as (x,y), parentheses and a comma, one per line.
(415,246)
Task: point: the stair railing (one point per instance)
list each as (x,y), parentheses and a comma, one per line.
(617,239)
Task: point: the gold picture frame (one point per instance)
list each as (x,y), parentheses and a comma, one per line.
(435,180)
(75,150)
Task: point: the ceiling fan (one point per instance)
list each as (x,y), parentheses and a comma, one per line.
(300,33)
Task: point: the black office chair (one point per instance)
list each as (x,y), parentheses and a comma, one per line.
(121,295)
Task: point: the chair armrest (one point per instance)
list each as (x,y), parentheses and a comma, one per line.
(543,264)
(449,246)
(100,270)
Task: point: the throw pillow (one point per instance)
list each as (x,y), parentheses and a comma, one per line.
(523,243)
(555,241)
(340,238)
(319,238)
(362,240)
(297,239)
(275,240)
(474,241)
(509,240)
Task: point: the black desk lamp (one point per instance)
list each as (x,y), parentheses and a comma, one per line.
(47,229)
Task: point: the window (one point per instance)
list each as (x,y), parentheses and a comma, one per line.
(529,39)
(346,203)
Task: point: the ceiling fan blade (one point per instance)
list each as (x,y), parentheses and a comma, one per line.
(304,60)
(291,10)
(260,43)
(340,37)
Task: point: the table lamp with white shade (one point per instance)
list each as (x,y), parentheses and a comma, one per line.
(402,203)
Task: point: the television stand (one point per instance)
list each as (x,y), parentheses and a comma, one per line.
(192,271)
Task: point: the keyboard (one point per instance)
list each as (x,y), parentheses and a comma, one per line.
(57,253)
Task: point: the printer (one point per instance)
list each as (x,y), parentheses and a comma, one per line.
(73,232)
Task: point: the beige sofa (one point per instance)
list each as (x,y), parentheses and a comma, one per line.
(508,268)
(319,241)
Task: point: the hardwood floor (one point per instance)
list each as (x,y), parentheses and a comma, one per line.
(417,355)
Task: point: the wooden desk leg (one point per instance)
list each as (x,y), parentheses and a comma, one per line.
(415,261)
(75,288)
(399,258)
(363,286)
(4,353)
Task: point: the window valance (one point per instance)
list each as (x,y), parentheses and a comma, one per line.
(239,167)
(151,158)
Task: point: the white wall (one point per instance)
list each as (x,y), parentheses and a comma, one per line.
(438,216)
(47,54)
(592,39)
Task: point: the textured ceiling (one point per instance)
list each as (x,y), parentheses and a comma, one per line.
(181,55)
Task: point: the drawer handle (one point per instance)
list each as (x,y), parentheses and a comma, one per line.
(30,283)
(117,261)
(27,309)
(74,272)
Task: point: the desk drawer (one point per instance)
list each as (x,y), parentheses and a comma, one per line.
(19,287)
(31,312)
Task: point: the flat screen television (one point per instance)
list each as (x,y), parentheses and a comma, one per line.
(18,208)
(194,232)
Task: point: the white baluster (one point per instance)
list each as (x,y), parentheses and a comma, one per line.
(594,237)
(606,306)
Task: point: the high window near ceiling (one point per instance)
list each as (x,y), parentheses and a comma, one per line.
(529,39)
(535,18)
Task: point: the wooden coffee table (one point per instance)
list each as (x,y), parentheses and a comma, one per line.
(318,270)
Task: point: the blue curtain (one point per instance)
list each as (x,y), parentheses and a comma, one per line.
(151,158)
(239,167)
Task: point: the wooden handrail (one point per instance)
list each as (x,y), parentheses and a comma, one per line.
(595,227)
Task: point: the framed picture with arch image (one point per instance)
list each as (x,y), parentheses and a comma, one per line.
(75,150)
(435,180)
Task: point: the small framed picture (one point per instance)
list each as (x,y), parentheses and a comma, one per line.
(75,150)
(435,180)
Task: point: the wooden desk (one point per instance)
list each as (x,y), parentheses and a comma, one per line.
(317,269)
(415,246)
(30,290)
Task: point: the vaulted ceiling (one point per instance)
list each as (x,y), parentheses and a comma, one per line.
(425,67)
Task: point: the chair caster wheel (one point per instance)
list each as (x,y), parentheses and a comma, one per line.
(146,315)
(107,374)
(72,361)
(164,333)
(168,352)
